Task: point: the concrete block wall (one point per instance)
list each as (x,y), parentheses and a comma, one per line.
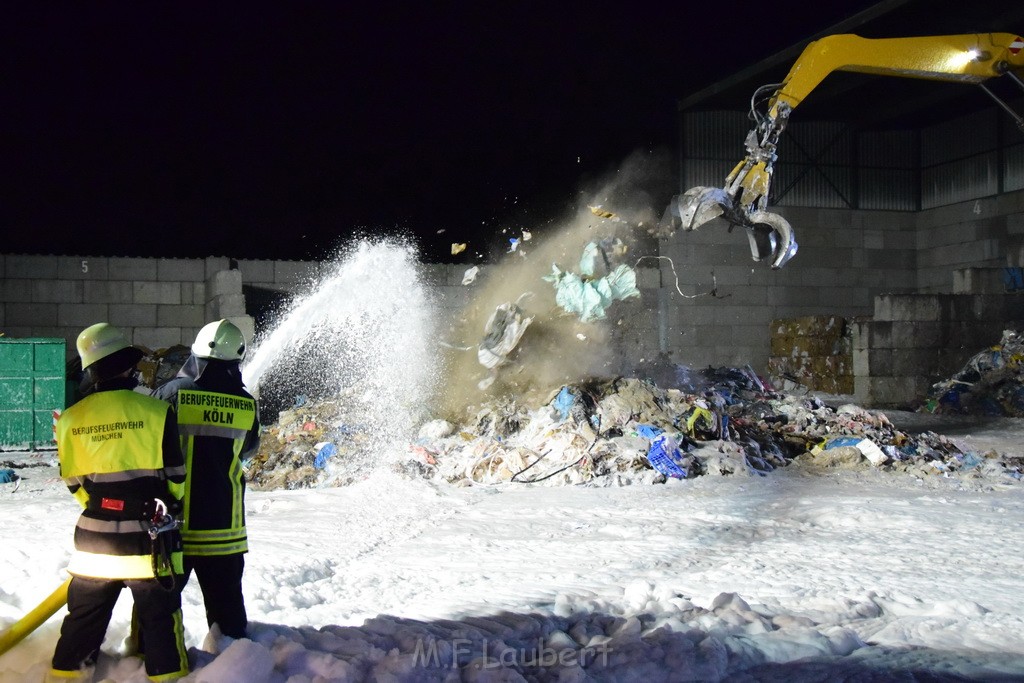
(981,233)
(163,302)
(979,281)
(281,276)
(847,262)
(845,259)
(157,302)
(914,340)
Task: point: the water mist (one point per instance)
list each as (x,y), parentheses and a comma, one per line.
(362,340)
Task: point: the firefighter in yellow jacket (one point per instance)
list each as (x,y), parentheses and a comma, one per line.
(120,457)
(220,428)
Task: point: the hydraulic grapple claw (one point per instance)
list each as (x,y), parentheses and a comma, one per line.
(771,238)
(699,205)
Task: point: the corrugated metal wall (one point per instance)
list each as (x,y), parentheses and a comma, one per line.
(814,167)
(1013,151)
(815,159)
(827,165)
(712,143)
(960,159)
(714,135)
(709,173)
(803,184)
(809,142)
(960,138)
(957,181)
(888,189)
(888,162)
(1014,179)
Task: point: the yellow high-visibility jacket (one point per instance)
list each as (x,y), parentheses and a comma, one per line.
(119,452)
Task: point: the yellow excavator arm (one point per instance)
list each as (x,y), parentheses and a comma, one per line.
(972,58)
(743,200)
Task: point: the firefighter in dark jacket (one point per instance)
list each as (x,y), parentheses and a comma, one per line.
(120,457)
(219,427)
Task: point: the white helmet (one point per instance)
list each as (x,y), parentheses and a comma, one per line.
(99,341)
(221,340)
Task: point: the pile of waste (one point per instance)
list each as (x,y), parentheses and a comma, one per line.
(619,431)
(156,367)
(990,383)
(313,443)
(161,366)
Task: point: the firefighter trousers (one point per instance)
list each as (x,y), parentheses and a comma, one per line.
(90,605)
(220,579)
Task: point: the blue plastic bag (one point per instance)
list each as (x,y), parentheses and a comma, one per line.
(648,431)
(7,476)
(325,452)
(563,402)
(1013,279)
(970,461)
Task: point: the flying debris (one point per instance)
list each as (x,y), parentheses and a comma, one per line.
(586,295)
(502,333)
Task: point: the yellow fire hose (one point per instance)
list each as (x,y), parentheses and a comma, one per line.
(34,619)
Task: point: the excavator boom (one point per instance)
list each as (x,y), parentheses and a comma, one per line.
(743,200)
(971,58)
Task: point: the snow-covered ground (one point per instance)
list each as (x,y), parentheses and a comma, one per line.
(799,575)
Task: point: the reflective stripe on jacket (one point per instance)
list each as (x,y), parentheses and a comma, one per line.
(111,451)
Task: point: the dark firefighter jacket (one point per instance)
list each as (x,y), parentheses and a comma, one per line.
(219,427)
(118,452)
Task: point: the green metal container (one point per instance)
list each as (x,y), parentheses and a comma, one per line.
(32,387)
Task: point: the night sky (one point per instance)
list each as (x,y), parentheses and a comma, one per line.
(259,130)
